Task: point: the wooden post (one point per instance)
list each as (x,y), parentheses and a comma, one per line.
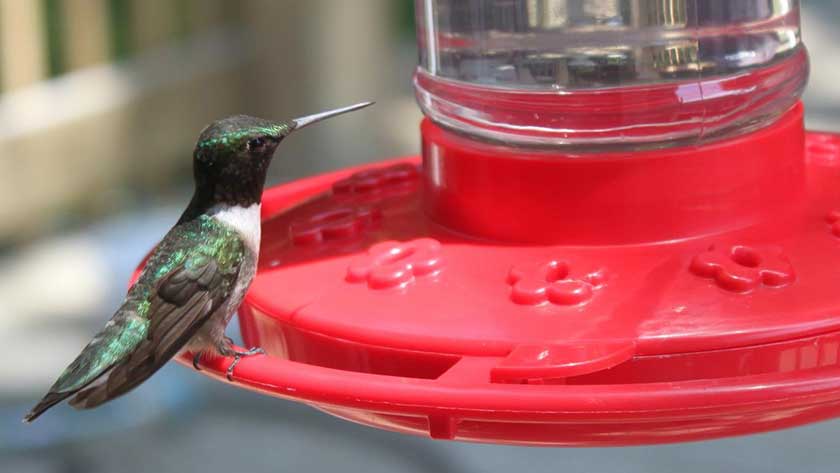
(206,14)
(23,55)
(153,22)
(85,32)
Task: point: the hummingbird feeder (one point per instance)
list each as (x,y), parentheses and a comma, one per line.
(618,232)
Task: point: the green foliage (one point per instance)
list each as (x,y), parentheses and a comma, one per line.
(54,32)
(119,19)
(404,18)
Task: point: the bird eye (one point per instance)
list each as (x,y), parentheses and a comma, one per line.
(256,144)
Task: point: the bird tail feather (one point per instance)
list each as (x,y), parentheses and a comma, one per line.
(47,402)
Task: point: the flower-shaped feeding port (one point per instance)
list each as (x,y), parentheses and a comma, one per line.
(551,282)
(334,224)
(396,179)
(396,264)
(833,219)
(742,268)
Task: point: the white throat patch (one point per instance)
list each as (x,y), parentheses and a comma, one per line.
(245,220)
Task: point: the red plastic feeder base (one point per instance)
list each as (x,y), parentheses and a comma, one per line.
(498,295)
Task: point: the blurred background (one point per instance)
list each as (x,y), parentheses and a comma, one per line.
(100,105)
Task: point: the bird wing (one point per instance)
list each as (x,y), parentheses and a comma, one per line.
(180,304)
(161,313)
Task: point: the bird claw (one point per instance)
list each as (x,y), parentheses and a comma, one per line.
(195,360)
(239,355)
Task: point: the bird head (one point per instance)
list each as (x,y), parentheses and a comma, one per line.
(232,155)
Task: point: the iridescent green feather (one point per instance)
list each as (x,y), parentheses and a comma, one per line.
(188,244)
(233,139)
(111,345)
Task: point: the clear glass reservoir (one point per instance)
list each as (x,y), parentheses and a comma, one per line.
(627,73)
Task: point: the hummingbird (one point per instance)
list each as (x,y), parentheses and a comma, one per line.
(196,277)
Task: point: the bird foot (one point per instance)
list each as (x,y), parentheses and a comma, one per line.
(237,355)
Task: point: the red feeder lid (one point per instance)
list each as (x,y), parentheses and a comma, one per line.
(500,295)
